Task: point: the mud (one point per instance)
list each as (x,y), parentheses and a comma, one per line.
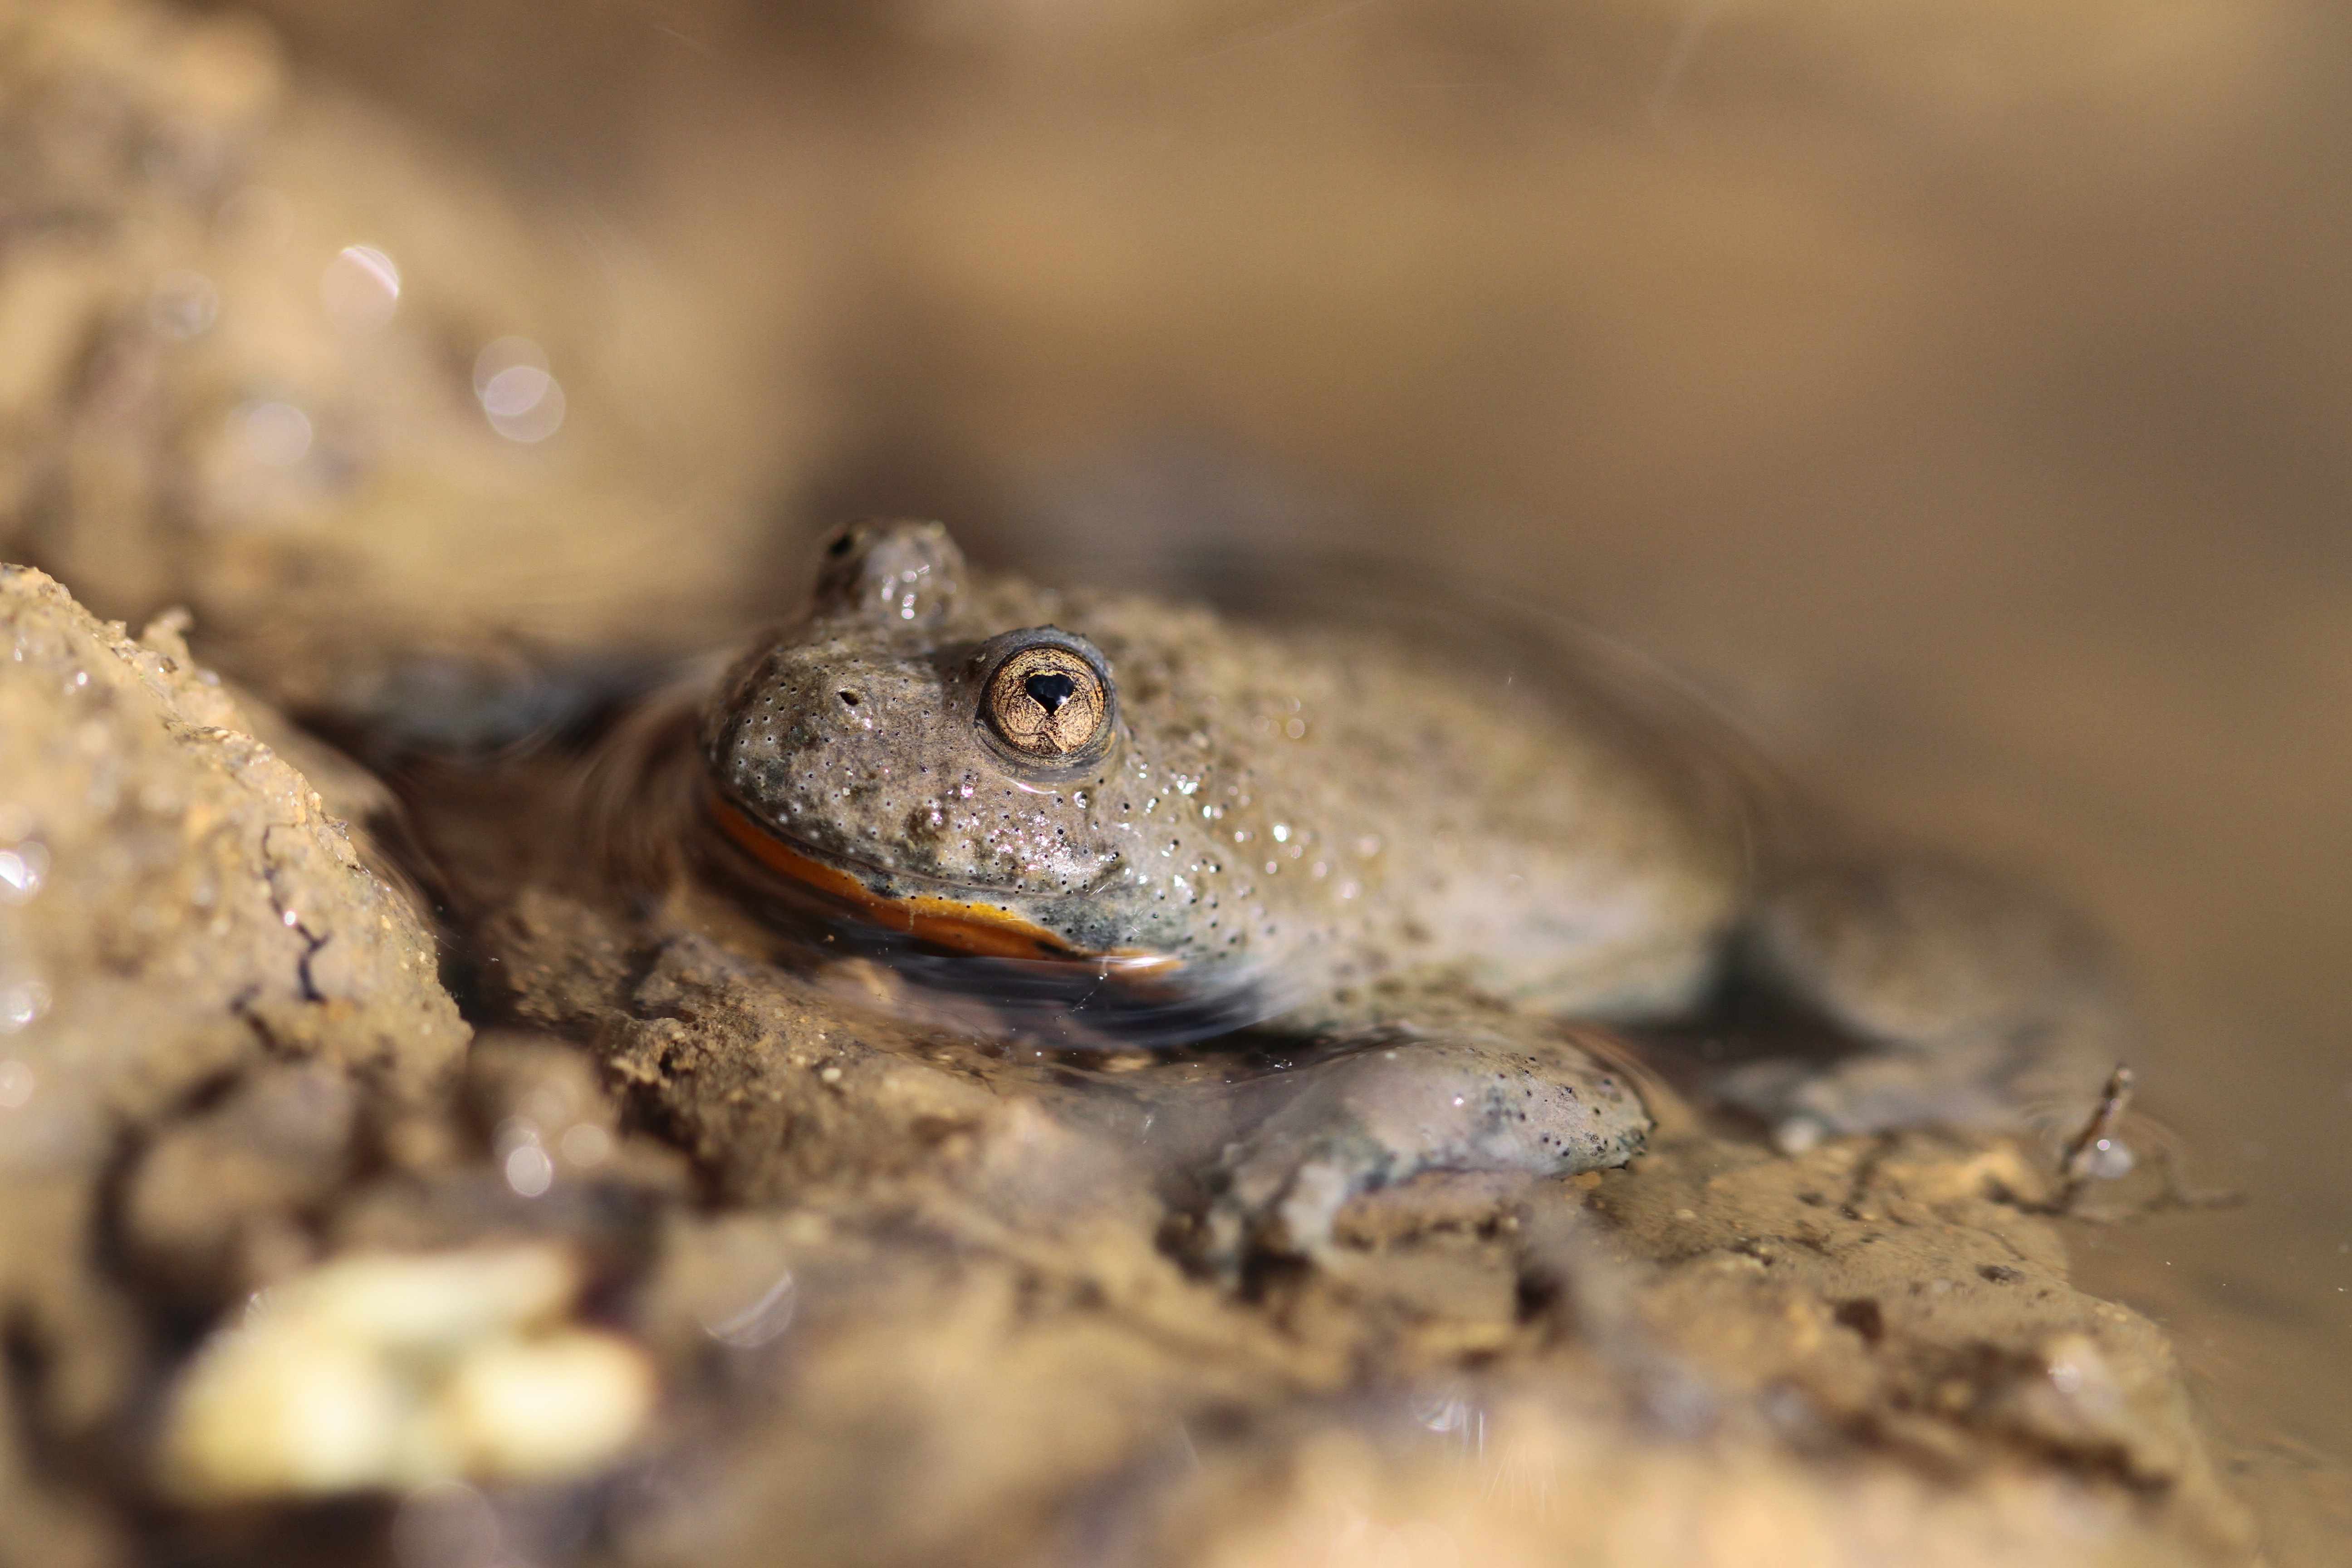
(850,1252)
(273,1024)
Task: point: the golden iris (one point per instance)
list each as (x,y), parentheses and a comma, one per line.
(1047,702)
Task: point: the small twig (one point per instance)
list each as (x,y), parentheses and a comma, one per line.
(2096,1143)
(2096,1146)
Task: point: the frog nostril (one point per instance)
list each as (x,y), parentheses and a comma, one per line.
(849,698)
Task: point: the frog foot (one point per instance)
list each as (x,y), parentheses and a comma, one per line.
(1987,1085)
(1404,1098)
(1976,1002)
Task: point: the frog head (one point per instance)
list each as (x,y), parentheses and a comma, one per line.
(935,758)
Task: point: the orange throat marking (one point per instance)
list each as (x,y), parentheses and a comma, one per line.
(982,929)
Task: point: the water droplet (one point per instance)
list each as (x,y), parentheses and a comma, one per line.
(514,1132)
(515,390)
(1441,1412)
(528,1170)
(183,304)
(23,869)
(21,1004)
(769,1315)
(522,401)
(361,288)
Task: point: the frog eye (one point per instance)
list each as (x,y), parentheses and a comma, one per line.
(1048,700)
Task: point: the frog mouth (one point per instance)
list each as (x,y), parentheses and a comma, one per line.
(960,925)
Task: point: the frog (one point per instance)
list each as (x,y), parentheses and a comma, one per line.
(1145,820)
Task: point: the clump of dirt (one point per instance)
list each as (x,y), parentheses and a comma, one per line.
(209,1005)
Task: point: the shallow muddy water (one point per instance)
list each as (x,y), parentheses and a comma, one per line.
(1954,401)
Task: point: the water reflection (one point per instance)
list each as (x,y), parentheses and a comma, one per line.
(528,1171)
(522,1157)
(23,868)
(21,1005)
(1448,1408)
(361,288)
(520,396)
(763,1320)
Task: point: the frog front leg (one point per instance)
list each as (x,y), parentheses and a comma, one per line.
(1975,1001)
(1445,1091)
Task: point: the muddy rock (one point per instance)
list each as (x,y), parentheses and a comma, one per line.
(179,899)
(201,985)
(259,340)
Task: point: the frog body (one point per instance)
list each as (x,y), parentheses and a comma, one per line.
(1179,824)
(1303,814)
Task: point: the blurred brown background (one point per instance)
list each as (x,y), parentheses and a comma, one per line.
(1960,394)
